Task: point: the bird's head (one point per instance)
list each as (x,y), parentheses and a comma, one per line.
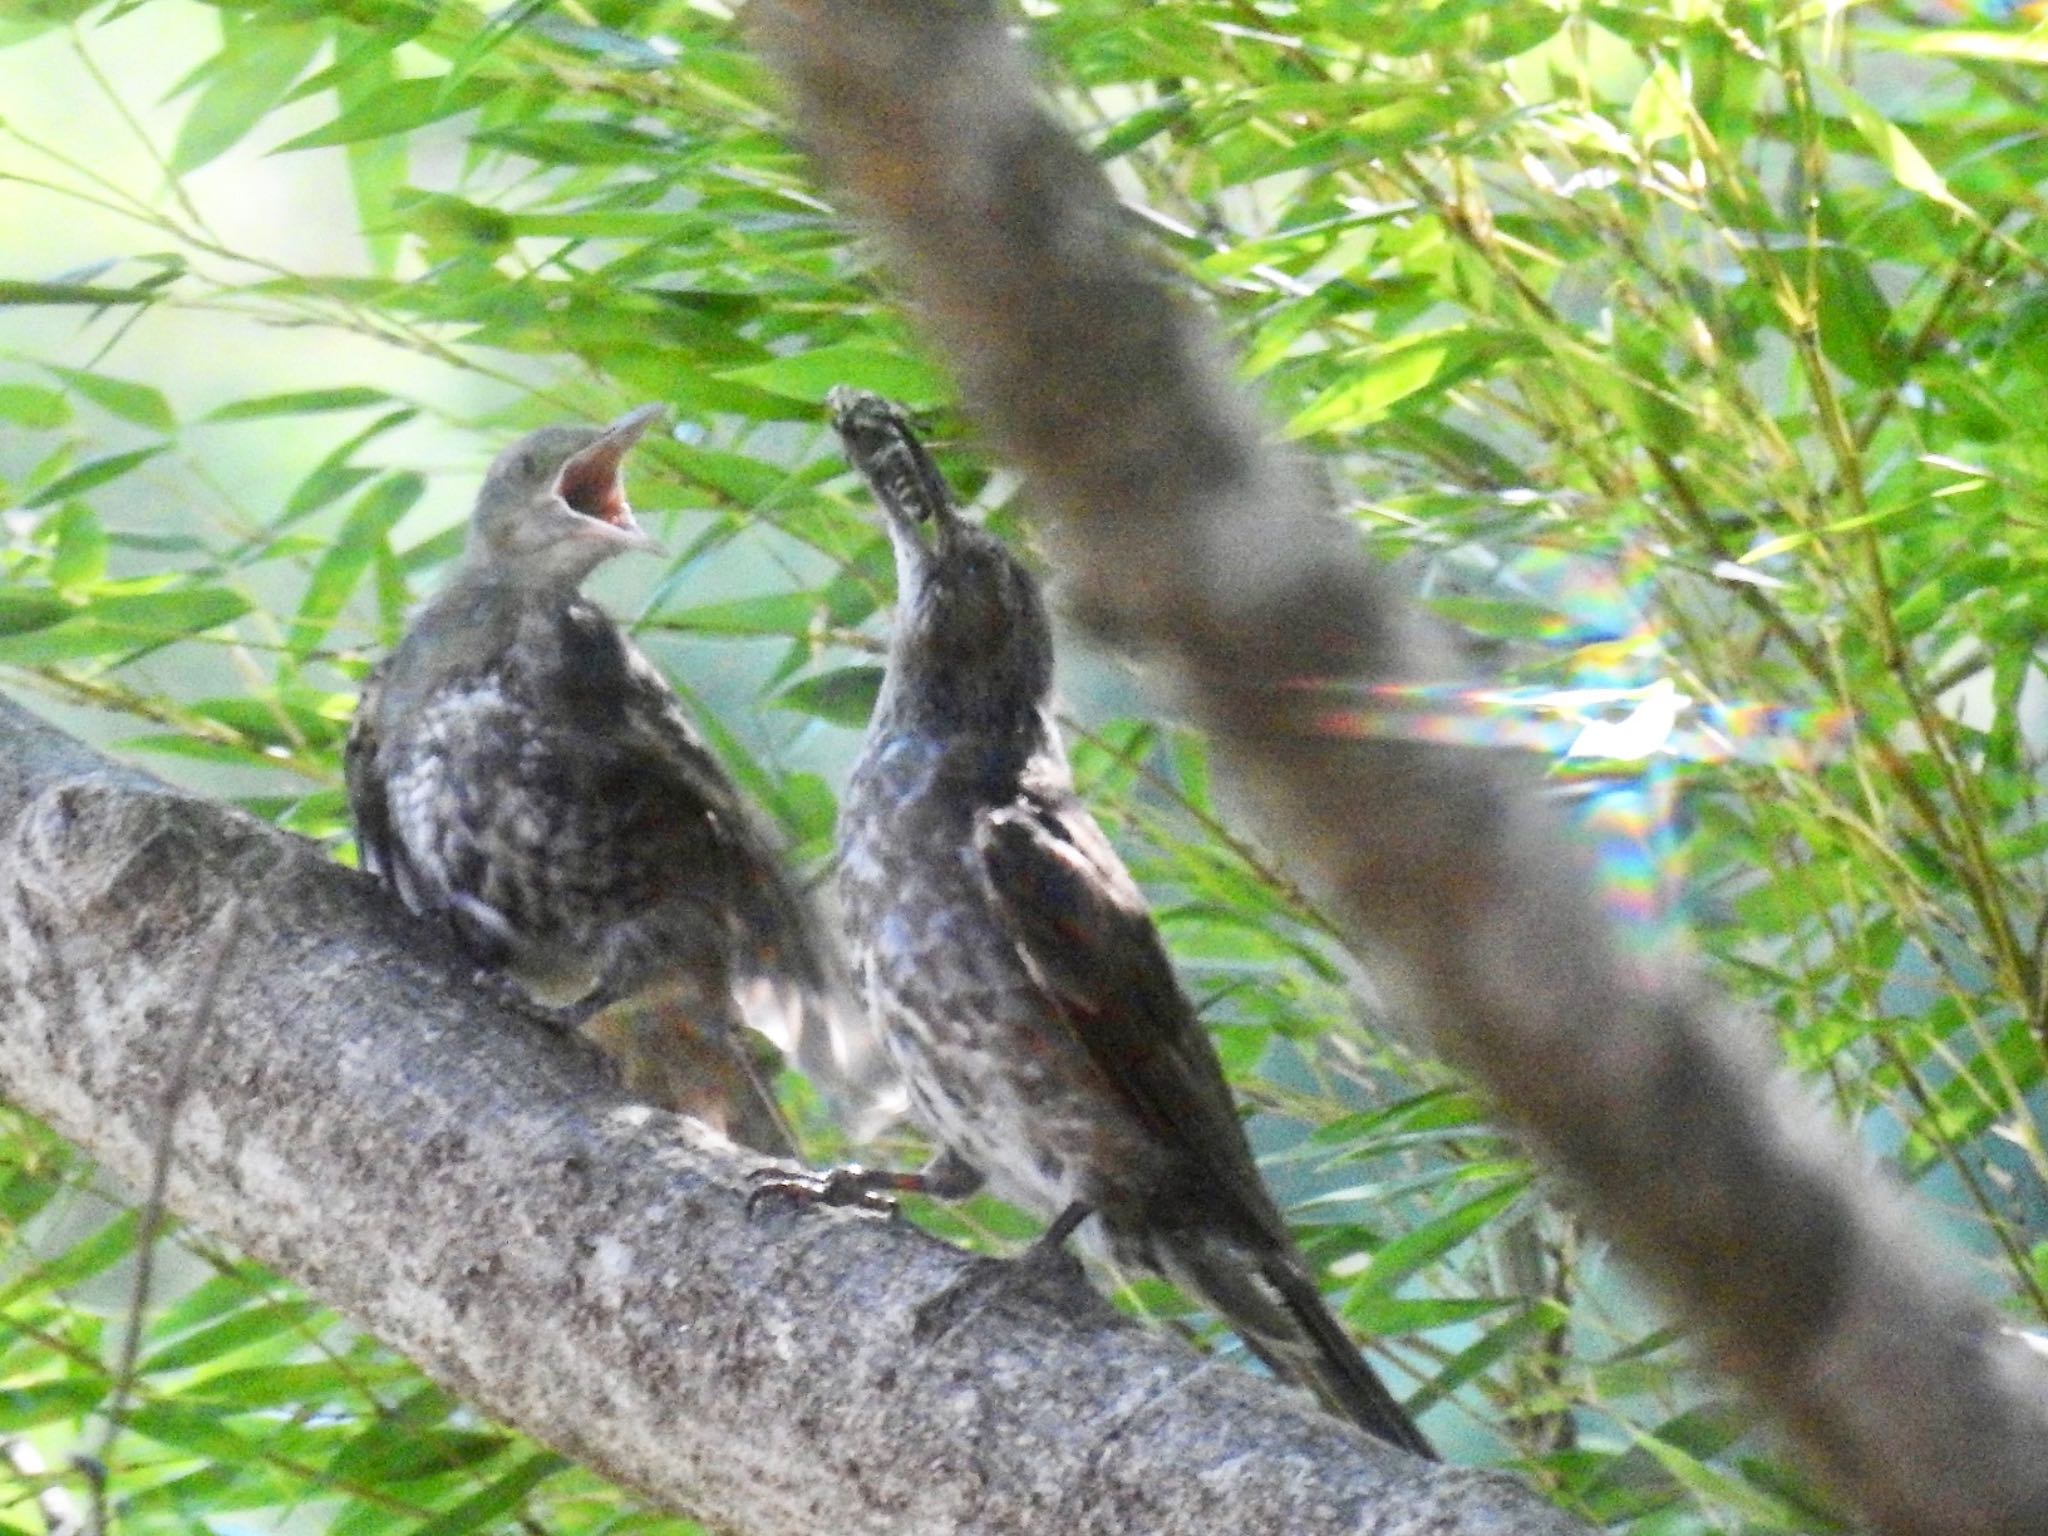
(971,629)
(553,507)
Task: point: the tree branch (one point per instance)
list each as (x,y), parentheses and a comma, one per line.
(1185,539)
(464,1185)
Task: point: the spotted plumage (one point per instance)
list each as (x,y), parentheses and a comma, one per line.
(518,769)
(1011,962)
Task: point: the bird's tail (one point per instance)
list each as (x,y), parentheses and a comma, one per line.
(1268,1297)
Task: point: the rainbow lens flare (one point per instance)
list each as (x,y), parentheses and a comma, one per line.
(1619,735)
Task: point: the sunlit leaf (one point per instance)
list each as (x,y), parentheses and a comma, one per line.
(91,1255)
(50,1402)
(808,375)
(14,291)
(1894,149)
(783,613)
(362,533)
(80,557)
(1141,127)
(91,475)
(252,1325)
(142,404)
(1428,1242)
(845,696)
(31,610)
(250,75)
(113,624)
(1373,385)
(300,402)
(27,405)
(502,1494)
(396,108)
(2007,47)
(1723,1490)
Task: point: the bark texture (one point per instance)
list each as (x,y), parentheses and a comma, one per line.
(357,1115)
(1212,556)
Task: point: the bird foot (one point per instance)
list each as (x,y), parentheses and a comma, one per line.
(866,1189)
(1044,1272)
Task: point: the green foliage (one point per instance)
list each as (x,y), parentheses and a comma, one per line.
(1732,312)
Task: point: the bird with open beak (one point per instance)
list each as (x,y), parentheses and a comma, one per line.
(520,770)
(1009,960)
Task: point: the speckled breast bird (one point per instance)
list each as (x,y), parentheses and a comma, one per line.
(519,769)
(1010,961)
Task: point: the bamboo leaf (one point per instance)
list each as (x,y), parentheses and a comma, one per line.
(248,77)
(808,375)
(366,530)
(844,696)
(299,402)
(92,475)
(142,404)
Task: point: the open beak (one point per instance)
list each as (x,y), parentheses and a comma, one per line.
(591,481)
(880,443)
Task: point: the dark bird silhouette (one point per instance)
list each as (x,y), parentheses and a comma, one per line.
(518,769)
(1009,959)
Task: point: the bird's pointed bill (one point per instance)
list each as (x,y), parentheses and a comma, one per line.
(592,484)
(882,446)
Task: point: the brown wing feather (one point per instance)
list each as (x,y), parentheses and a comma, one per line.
(1080,924)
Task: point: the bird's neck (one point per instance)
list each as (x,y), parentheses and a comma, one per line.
(549,579)
(476,616)
(994,737)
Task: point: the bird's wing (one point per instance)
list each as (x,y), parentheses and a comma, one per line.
(1079,923)
(693,800)
(790,980)
(363,771)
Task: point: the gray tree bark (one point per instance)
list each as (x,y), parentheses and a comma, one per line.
(1186,539)
(355,1113)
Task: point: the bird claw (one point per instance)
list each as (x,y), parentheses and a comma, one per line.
(849,1186)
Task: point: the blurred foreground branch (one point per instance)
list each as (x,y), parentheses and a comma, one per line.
(462,1183)
(1188,541)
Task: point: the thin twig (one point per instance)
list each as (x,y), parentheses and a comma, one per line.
(153,1208)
